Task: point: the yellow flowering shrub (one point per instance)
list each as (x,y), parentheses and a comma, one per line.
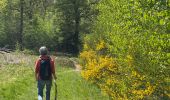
(127,54)
(100,45)
(106,71)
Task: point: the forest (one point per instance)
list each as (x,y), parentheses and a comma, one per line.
(123,46)
(58,24)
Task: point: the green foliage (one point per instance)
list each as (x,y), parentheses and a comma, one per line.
(38,26)
(57,24)
(75,18)
(2,4)
(17,47)
(136,35)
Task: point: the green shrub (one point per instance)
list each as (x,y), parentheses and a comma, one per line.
(135,35)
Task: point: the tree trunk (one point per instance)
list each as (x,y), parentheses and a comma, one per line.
(30,16)
(20,40)
(77,25)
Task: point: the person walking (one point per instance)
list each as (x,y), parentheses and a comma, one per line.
(44,73)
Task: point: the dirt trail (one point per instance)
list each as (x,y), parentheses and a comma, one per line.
(77,66)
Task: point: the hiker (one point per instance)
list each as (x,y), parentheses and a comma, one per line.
(44,72)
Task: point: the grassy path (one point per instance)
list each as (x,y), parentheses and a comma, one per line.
(17,83)
(72,87)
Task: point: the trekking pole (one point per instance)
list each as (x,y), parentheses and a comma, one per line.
(55,84)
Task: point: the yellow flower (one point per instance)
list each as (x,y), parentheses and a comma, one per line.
(100,45)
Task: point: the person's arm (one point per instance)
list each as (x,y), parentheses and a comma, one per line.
(53,69)
(37,67)
(36,76)
(54,76)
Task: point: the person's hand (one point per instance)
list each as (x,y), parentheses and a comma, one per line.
(36,78)
(54,76)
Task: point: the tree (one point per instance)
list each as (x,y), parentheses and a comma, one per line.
(20,36)
(76,17)
(59,24)
(127,53)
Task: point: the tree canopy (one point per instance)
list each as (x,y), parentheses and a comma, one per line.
(58,24)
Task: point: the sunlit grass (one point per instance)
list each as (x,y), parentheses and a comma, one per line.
(15,81)
(71,86)
(18,83)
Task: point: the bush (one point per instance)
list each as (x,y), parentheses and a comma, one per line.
(127,55)
(65,62)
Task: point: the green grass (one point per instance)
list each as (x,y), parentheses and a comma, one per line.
(17,83)
(71,86)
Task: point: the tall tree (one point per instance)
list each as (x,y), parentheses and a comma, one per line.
(75,18)
(20,36)
(10,23)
